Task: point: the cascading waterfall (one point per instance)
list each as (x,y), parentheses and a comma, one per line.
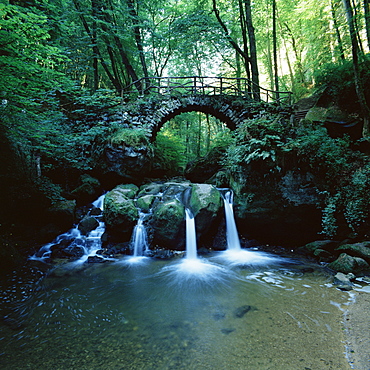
(191,239)
(232,237)
(90,244)
(139,237)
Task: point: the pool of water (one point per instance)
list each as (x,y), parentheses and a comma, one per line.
(152,314)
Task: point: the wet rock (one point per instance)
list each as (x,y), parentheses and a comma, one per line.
(241,311)
(145,202)
(169,224)
(96,259)
(361,250)
(347,264)
(87,224)
(120,213)
(343,282)
(227,330)
(207,206)
(150,189)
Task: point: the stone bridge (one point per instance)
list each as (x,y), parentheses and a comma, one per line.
(155,101)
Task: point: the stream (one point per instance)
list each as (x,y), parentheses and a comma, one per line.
(273,313)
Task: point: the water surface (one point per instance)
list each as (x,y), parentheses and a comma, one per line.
(156,315)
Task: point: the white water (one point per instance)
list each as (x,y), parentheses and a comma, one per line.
(139,237)
(90,243)
(232,237)
(191,239)
(235,255)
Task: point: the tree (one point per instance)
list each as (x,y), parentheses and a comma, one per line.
(355,58)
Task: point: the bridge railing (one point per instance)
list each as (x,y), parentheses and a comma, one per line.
(199,85)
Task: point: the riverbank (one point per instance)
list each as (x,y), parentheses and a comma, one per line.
(357,326)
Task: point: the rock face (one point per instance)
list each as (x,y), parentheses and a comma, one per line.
(281,210)
(120,212)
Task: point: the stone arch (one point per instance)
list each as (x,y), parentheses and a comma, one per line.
(221,109)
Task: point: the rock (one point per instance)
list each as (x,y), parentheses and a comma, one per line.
(169,224)
(327,245)
(87,224)
(120,214)
(361,250)
(348,264)
(202,169)
(152,189)
(126,160)
(128,190)
(343,281)
(207,206)
(96,259)
(62,214)
(241,311)
(88,191)
(145,202)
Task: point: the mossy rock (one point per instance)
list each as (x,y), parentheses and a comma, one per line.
(120,212)
(207,206)
(346,264)
(152,189)
(128,190)
(145,202)
(169,224)
(361,250)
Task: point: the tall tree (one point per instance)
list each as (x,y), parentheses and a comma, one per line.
(356,68)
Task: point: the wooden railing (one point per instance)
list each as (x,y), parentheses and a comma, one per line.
(198,85)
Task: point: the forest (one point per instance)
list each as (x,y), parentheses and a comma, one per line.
(64,63)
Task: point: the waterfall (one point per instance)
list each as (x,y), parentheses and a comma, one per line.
(232,237)
(191,240)
(139,240)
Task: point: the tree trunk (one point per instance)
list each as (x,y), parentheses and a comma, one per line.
(137,34)
(253,50)
(336,27)
(355,52)
(367,21)
(274,43)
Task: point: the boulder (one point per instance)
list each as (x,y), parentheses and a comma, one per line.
(88,191)
(168,224)
(87,224)
(145,202)
(361,250)
(348,264)
(207,206)
(152,189)
(120,214)
(62,214)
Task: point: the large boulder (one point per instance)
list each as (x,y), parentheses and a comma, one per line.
(348,264)
(120,214)
(207,206)
(168,224)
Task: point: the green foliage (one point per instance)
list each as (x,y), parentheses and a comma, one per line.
(255,141)
(325,156)
(130,137)
(169,153)
(338,81)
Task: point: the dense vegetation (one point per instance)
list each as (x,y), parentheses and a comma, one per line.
(65,63)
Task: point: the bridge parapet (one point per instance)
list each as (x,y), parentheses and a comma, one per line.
(200,85)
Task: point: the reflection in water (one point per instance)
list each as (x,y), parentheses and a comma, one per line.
(165,315)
